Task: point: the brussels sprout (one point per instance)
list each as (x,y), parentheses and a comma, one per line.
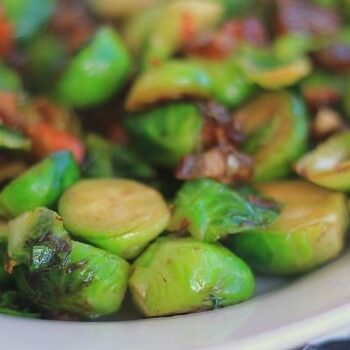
(170,81)
(221,80)
(40,185)
(97,72)
(230,85)
(165,134)
(11,304)
(58,275)
(210,210)
(169,30)
(309,232)
(106,159)
(10,139)
(328,165)
(45,57)
(120,216)
(276,126)
(27,16)
(5,278)
(9,79)
(176,276)
(237,7)
(271,72)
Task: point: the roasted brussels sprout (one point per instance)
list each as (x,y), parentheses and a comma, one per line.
(271,72)
(27,16)
(276,126)
(328,165)
(176,276)
(165,134)
(97,72)
(106,159)
(40,185)
(58,275)
(120,216)
(210,211)
(309,232)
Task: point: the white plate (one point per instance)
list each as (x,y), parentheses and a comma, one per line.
(282,318)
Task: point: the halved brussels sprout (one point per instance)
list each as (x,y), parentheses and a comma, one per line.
(10,139)
(271,72)
(40,185)
(328,165)
(177,21)
(309,232)
(170,81)
(210,211)
(97,71)
(58,275)
(106,159)
(120,216)
(276,126)
(165,134)
(9,79)
(27,16)
(222,80)
(176,276)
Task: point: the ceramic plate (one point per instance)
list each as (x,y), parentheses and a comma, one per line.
(283,315)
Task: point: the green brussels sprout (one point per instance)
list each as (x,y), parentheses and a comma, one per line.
(309,232)
(272,72)
(276,125)
(5,278)
(176,276)
(11,304)
(120,216)
(106,159)
(13,140)
(328,165)
(230,85)
(58,275)
(234,8)
(170,81)
(210,211)
(40,185)
(96,73)
(165,134)
(221,80)
(168,32)
(27,16)
(45,57)
(9,79)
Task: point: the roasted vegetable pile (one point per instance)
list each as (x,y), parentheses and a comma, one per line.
(167,149)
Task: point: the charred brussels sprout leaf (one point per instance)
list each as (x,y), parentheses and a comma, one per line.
(328,165)
(176,276)
(106,159)
(276,125)
(165,134)
(309,232)
(41,185)
(58,275)
(210,211)
(120,216)
(5,278)
(27,16)
(96,72)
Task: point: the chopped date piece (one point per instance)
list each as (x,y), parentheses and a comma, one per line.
(223,43)
(224,164)
(335,57)
(321,96)
(301,16)
(71,21)
(10,113)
